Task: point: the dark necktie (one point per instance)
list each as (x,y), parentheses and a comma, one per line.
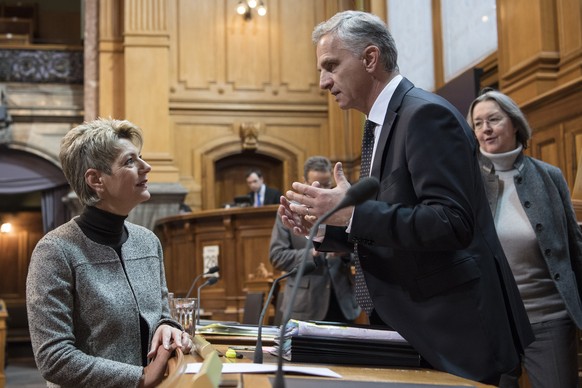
(362,294)
(367,148)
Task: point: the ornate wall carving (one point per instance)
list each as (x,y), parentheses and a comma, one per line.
(41,66)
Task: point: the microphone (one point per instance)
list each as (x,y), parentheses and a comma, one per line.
(209,282)
(309,267)
(360,192)
(211,270)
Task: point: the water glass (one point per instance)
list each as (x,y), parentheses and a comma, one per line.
(185,313)
(171,304)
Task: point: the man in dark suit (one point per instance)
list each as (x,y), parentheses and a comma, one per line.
(326,294)
(433,268)
(260,193)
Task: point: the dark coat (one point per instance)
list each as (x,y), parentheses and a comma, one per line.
(312,300)
(544,192)
(430,254)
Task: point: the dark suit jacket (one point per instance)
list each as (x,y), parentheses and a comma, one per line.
(428,247)
(272,196)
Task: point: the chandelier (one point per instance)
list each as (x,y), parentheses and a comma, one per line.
(246,7)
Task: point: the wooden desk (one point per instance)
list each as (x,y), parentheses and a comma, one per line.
(348,373)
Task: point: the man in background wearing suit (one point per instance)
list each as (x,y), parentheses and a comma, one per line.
(326,294)
(260,193)
(428,260)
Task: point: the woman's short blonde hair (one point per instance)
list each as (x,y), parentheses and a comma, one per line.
(94,144)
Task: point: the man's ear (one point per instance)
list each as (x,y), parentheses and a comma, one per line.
(93,179)
(371,57)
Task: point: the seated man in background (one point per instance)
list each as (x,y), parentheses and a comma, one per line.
(327,293)
(260,193)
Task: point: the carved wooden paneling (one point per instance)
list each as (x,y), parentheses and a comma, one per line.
(548,146)
(219,56)
(204,139)
(145,16)
(560,112)
(10,263)
(111,64)
(528,50)
(570,39)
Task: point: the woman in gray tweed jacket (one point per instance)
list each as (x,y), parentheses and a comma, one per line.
(96,292)
(538,230)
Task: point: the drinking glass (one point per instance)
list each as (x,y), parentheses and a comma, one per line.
(171,304)
(185,313)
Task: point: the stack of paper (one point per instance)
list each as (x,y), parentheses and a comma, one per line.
(237,329)
(324,342)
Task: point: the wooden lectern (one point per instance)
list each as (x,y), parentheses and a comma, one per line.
(240,236)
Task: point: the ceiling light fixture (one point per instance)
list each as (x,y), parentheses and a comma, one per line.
(6,227)
(245,8)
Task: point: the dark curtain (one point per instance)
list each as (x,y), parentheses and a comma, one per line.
(53,210)
(22,172)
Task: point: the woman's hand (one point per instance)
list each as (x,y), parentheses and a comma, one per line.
(170,338)
(153,374)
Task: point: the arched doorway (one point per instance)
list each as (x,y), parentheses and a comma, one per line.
(25,176)
(231,170)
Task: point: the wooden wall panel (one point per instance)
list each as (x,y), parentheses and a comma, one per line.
(560,112)
(248,51)
(111,59)
(15,250)
(10,247)
(199,45)
(569,17)
(218,56)
(297,71)
(528,49)
(548,146)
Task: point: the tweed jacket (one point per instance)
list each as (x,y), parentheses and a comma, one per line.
(545,197)
(427,243)
(312,300)
(84,311)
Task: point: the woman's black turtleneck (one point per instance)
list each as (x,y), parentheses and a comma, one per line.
(103,227)
(109,229)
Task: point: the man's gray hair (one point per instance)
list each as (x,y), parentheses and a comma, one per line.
(358,30)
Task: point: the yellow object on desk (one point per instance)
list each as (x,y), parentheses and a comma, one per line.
(230,353)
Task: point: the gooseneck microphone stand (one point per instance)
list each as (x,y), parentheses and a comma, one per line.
(209,282)
(258,358)
(210,270)
(360,192)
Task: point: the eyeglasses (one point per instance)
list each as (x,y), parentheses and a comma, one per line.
(493,122)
